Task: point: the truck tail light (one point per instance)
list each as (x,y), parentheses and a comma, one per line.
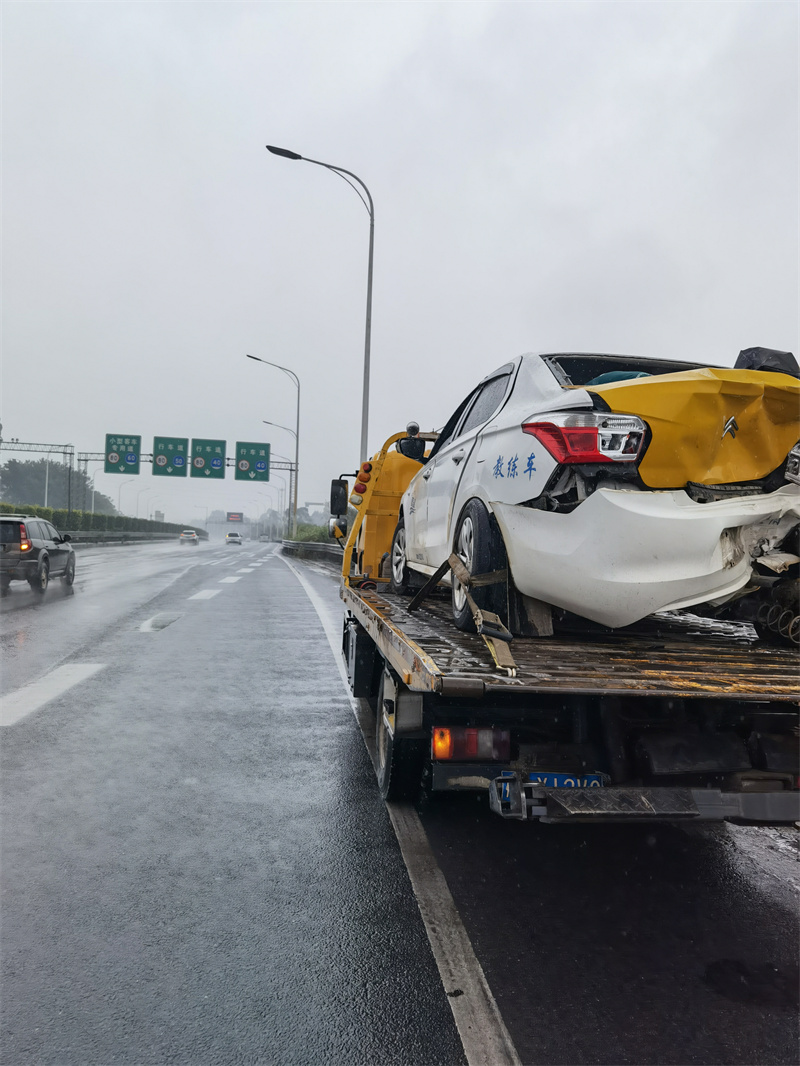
(463,743)
(589,437)
(24,541)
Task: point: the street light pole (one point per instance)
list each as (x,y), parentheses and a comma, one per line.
(94,475)
(138,494)
(119,494)
(292,485)
(296,380)
(345,175)
(281,494)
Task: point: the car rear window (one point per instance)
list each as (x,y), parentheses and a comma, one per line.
(580,369)
(9,532)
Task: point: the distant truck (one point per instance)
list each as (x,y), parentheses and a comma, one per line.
(677,718)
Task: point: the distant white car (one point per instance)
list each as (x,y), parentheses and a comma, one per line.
(234,538)
(188,536)
(612,487)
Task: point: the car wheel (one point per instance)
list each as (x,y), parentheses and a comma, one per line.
(41,579)
(399,577)
(4,586)
(399,761)
(68,577)
(480,548)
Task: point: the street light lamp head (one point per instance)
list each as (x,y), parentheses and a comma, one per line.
(283,151)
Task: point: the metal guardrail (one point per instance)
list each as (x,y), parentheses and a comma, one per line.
(312,549)
(85,537)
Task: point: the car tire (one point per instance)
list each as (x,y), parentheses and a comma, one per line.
(4,586)
(399,576)
(68,577)
(399,761)
(480,547)
(41,579)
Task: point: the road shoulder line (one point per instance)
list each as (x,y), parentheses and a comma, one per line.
(484,1036)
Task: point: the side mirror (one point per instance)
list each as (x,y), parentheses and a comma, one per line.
(65,537)
(339,494)
(412,448)
(337,528)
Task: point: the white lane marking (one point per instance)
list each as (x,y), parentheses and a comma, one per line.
(30,698)
(228,580)
(483,1032)
(158,622)
(205,594)
(246,570)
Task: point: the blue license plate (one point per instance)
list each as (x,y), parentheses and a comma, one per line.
(566,780)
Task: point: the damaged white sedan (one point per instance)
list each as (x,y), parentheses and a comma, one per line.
(612,487)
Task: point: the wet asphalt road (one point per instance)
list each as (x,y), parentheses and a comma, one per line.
(198,869)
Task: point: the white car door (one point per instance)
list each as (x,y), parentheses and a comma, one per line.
(443,471)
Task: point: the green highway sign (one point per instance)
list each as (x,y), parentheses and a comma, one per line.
(208,458)
(170,456)
(252,461)
(122,454)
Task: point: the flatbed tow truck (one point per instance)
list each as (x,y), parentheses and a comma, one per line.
(678,718)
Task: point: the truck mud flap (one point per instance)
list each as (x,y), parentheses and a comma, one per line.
(512,797)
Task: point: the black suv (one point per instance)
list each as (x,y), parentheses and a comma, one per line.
(34,551)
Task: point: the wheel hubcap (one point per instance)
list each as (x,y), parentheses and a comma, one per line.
(465,551)
(381,737)
(399,557)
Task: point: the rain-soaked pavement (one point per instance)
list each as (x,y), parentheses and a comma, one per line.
(197,867)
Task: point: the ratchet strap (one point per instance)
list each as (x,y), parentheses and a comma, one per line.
(489,625)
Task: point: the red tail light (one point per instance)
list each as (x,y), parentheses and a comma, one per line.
(24,541)
(590,437)
(458,742)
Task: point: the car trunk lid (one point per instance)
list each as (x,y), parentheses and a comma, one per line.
(710,426)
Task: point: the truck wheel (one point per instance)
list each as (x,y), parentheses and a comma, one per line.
(480,547)
(399,578)
(399,761)
(41,579)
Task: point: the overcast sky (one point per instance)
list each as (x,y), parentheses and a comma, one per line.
(617,177)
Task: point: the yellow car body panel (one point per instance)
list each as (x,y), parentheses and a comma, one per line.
(693,437)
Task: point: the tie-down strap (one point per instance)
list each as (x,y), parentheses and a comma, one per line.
(489,625)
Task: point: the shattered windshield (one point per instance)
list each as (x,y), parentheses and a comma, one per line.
(581,369)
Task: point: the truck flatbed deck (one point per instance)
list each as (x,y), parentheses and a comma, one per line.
(668,655)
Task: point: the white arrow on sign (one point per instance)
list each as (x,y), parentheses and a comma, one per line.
(252,473)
